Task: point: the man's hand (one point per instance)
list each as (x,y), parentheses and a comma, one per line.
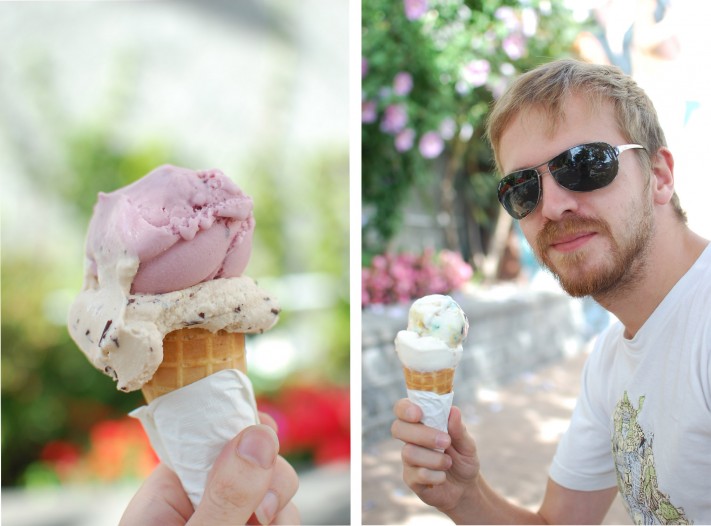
(249,484)
(450,480)
(437,466)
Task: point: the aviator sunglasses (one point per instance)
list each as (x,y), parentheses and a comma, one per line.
(582,168)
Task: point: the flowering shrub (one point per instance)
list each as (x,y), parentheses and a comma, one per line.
(314,422)
(117,450)
(120,449)
(430,70)
(394,278)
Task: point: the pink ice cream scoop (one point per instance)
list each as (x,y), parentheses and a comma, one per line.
(184,226)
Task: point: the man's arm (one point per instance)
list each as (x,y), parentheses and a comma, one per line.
(567,506)
(560,506)
(451,481)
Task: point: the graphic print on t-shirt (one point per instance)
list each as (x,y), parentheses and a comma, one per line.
(636,471)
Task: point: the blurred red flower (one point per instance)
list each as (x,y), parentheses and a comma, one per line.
(62,456)
(312,420)
(120,448)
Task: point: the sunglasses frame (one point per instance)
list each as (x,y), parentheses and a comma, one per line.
(616,150)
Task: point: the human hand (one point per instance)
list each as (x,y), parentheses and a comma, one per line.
(248,484)
(437,466)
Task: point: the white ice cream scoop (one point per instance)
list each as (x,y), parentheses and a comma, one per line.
(430,350)
(435,330)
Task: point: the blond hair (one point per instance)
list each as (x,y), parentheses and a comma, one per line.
(549,86)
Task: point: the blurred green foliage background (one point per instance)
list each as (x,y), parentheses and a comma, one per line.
(459,55)
(94,96)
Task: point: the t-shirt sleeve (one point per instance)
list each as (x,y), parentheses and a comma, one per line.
(583,460)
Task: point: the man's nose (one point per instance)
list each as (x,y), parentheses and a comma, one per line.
(556,201)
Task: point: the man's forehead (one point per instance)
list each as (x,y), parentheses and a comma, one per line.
(538,131)
(545,119)
(538,120)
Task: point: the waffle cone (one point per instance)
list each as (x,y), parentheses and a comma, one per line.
(192,354)
(440,382)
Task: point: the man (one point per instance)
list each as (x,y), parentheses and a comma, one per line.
(599,209)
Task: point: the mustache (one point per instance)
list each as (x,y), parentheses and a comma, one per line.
(555,230)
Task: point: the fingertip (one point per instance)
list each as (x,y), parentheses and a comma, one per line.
(268,420)
(407,411)
(259,445)
(429,478)
(240,478)
(455,419)
(289,515)
(268,508)
(442,441)
(413,413)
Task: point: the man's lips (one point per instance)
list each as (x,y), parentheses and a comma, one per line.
(571,242)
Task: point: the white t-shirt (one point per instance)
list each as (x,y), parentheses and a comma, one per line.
(643,418)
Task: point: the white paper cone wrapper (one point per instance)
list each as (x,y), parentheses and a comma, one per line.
(435,407)
(189,427)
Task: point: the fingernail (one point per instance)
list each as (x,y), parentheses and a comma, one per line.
(411,414)
(447,462)
(442,441)
(267,509)
(257,447)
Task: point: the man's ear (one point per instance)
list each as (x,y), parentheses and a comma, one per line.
(662,176)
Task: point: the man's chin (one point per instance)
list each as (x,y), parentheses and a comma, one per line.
(576,289)
(580,282)
(579,279)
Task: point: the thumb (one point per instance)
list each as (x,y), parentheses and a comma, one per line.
(239,479)
(465,462)
(462,441)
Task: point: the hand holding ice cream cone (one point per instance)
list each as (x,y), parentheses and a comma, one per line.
(430,350)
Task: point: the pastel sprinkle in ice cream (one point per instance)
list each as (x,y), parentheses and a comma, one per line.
(435,331)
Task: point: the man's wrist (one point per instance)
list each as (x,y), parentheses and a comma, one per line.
(462,511)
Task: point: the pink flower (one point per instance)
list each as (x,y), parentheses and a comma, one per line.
(363,66)
(394,119)
(404,140)
(364,283)
(431,145)
(405,276)
(402,85)
(476,72)
(368,111)
(454,269)
(508,16)
(447,128)
(507,69)
(415,9)
(529,21)
(380,262)
(514,46)
(403,280)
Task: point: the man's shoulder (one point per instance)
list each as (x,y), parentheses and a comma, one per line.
(610,335)
(606,344)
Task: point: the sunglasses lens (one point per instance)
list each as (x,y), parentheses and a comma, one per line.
(585,168)
(582,168)
(519,193)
